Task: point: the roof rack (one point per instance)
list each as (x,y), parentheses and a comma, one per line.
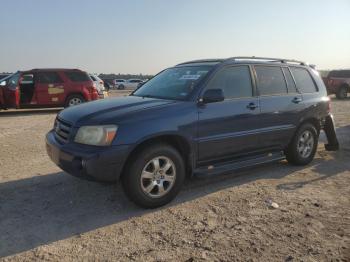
(203,61)
(269,59)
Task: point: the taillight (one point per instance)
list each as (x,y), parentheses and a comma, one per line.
(92,88)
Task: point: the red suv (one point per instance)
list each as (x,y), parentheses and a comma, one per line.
(46,88)
(338,83)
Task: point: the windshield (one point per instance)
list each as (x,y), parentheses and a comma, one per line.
(174,83)
(12,80)
(6,77)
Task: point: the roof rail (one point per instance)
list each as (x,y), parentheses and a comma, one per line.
(269,59)
(203,61)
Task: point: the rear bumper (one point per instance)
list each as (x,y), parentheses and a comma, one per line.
(87,162)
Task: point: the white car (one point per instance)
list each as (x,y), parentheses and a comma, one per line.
(130,84)
(99,86)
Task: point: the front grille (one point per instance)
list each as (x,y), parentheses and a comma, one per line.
(62,131)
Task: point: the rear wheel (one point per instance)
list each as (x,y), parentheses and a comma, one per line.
(154,177)
(121,87)
(74,100)
(302,149)
(342,92)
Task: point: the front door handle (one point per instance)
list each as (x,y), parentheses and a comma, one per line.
(252,106)
(297,100)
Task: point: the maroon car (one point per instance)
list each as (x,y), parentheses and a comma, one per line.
(46,88)
(338,83)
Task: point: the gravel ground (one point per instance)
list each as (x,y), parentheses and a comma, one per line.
(48,215)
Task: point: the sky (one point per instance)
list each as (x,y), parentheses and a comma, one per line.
(146,36)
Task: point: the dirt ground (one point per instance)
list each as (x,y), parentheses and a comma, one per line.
(48,215)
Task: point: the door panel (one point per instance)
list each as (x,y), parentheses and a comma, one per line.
(11,92)
(227,128)
(280,105)
(279,117)
(50,88)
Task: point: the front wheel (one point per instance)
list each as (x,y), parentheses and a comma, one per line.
(302,149)
(154,177)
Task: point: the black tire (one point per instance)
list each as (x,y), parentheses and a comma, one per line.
(71,98)
(121,87)
(292,153)
(132,180)
(342,92)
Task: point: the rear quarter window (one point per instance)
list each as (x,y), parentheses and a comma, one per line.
(303,80)
(77,76)
(290,82)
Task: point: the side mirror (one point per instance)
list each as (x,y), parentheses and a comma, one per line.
(213,95)
(3,83)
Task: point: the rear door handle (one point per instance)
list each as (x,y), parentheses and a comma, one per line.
(297,100)
(252,106)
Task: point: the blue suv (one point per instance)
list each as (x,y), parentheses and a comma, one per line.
(197,118)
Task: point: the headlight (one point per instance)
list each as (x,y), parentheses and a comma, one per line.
(96,135)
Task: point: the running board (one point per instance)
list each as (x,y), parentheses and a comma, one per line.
(239,164)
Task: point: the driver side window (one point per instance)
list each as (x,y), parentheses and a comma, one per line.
(234,81)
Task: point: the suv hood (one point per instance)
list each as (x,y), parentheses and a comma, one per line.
(97,112)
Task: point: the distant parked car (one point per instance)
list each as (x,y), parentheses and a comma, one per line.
(99,86)
(130,84)
(47,88)
(338,83)
(120,83)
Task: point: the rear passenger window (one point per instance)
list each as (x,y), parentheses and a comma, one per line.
(48,77)
(290,82)
(234,81)
(303,80)
(270,80)
(77,76)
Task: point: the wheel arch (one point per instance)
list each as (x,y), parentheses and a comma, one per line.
(180,143)
(311,120)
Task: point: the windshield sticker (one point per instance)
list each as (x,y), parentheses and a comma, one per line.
(190,77)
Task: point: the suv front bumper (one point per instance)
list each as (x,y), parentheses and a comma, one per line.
(87,162)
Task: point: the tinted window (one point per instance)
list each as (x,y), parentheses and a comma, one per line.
(234,81)
(303,80)
(77,76)
(93,78)
(290,82)
(270,80)
(48,77)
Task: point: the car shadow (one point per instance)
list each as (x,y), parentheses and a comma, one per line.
(327,168)
(29,112)
(46,208)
